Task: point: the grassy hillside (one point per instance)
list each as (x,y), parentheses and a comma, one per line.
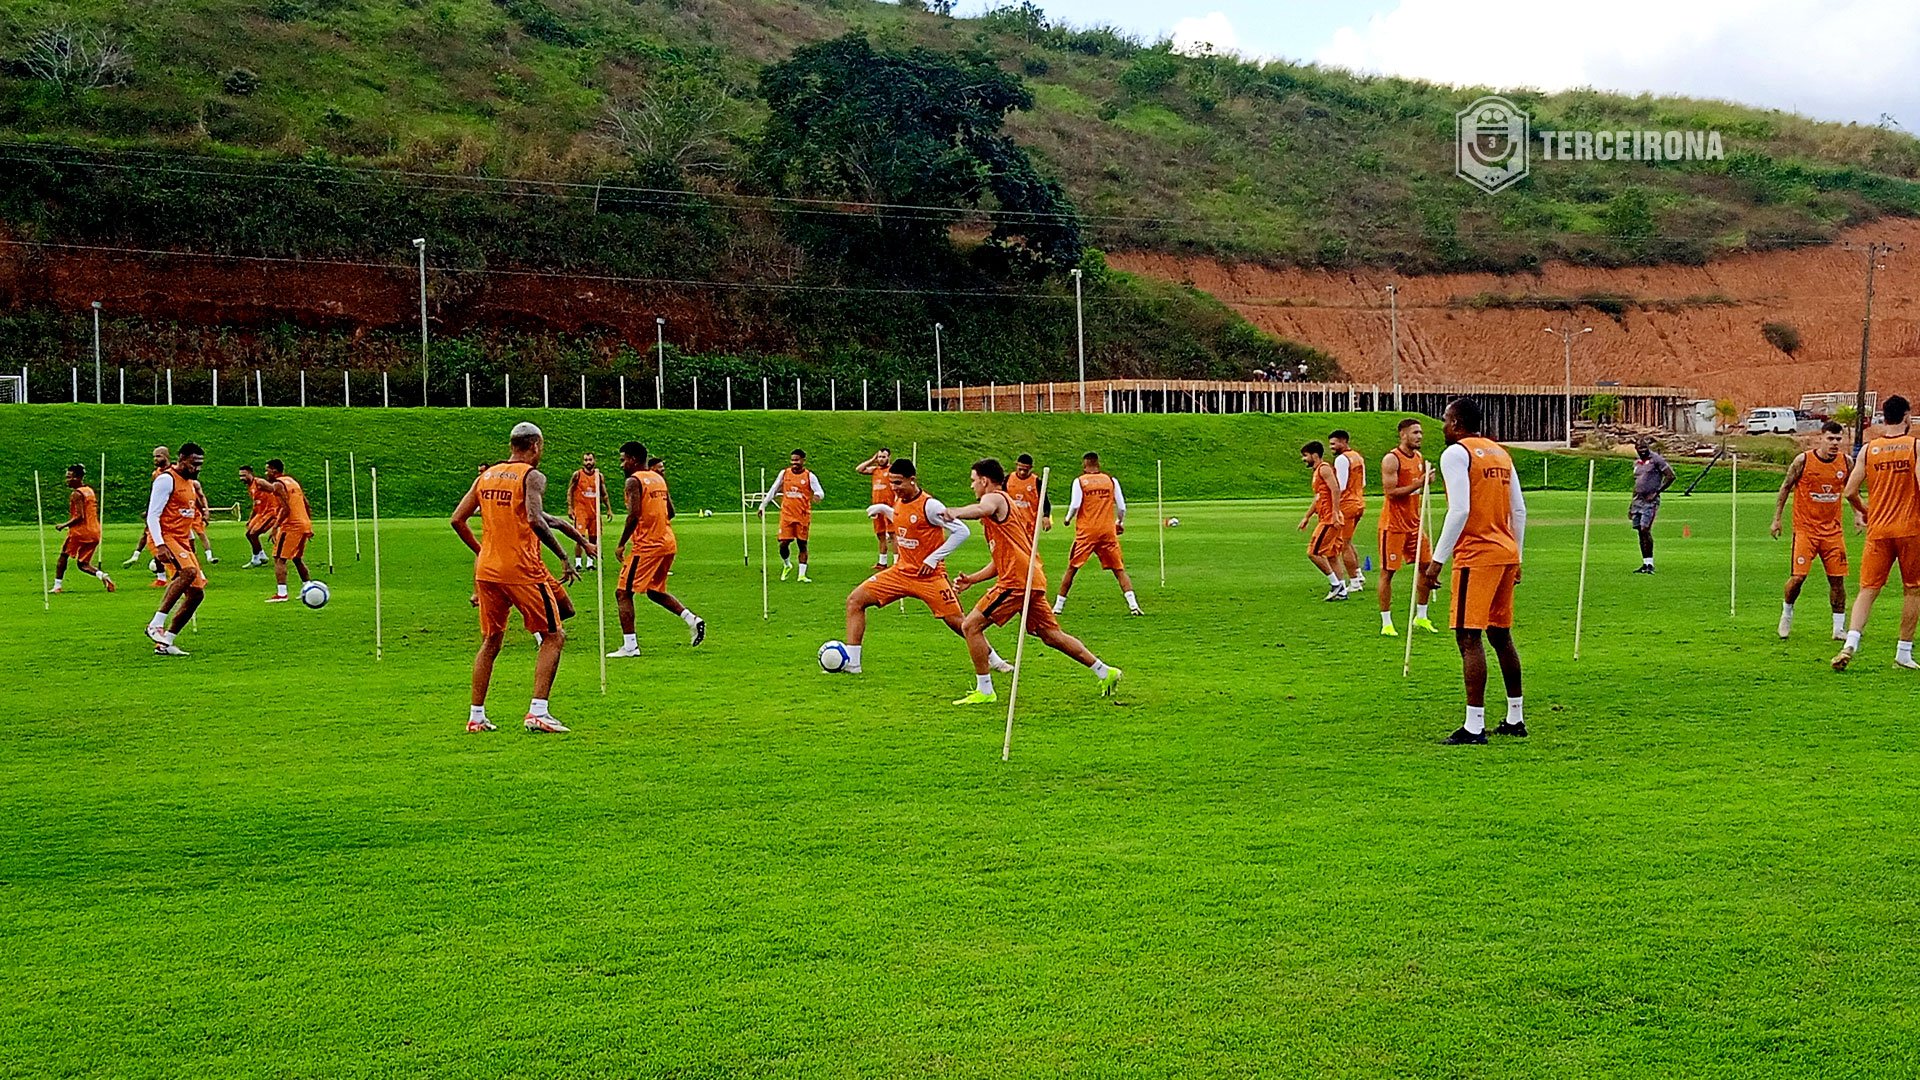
(427,456)
(1278,161)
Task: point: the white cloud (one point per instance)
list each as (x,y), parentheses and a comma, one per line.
(1212,32)
(1834,59)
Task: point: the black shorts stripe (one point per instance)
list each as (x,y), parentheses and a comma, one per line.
(1001,600)
(1460,597)
(546,602)
(633,571)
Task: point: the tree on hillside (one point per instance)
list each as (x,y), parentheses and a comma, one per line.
(913,137)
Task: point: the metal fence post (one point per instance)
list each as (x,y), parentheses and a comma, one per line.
(216,386)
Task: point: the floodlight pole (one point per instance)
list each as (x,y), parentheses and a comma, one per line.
(420,245)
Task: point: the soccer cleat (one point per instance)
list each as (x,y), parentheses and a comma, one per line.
(1387,630)
(131,559)
(1517,730)
(1463,737)
(785,571)
(159,583)
(1135,611)
(1426,624)
(1906,662)
(624,651)
(996,663)
(1643,568)
(1841,661)
(154,633)
(164,649)
(1338,592)
(697,633)
(482,724)
(56,590)
(1786,626)
(545,725)
(211,561)
(880,566)
(276,598)
(108,582)
(977,697)
(1112,681)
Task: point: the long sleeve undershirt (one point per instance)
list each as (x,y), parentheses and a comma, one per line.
(1455,466)
(1340,471)
(957,531)
(1119,503)
(774,492)
(157,502)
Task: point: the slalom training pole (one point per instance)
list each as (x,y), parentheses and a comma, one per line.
(1733,522)
(379,653)
(1160,496)
(600,573)
(745,559)
(763,553)
(1419,545)
(1026,603)
(1586,533)
(40,515)
(329,462)
(353,485)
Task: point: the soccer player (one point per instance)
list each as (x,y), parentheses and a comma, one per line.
(586,506)
(162,458)
(172,509)
(509,574)
(1817,481)
(1886,467)
(200,498)
(266,514)
(797,489)
(1323,549)
(875,468)
(1023,487)
(1485,532)
(1010,545)
(83,531)
(648,545)
(1402,472)
(1651,476)
(1350,468)
(923,536)
(1098,511)
(296,528)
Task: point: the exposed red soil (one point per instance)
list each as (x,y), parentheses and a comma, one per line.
(1714,348)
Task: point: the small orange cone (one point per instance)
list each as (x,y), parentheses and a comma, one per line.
(1686,532)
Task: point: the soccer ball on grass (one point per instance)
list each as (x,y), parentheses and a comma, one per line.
(834,657)
(314,594)
(1173,523)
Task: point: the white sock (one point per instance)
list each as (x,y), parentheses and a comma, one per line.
(689,617)
(803,569)
(1903,650)
(1386,618)
(209,553)
(853,656)
(280,590)
(631,641)
(159,619)
(56,582)
(1334,580)
(983,683)
(1059,603)
(476,712)
(1099,668)
(993,656)
(1839,622)
(538,638)
(1646,560)
(166,638)
(1515,714)
(786,562)
(1131,602)
(538,707)
(576,562)
(1420,611)
(1853,640)
(1476,719)
(1356,582)
(1786,610)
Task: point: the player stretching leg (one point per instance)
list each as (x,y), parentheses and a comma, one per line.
(1817,481)
(1351,470)
(1484,535)
(797,489)
(83,531)
(1010,543)
(172,509)
(296,528)
(1402,472)
(875,468)
(1886,466)
(1098,512)
(508,574)
(649,546)
(1323,550)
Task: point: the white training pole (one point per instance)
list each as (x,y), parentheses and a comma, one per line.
(600,571)
(1733,523)
(374,479)
(1026,602)
(353,485)
(329,463)
(763,553)
(1420,568)
(40,515)
(745,558)
(1160,496)
(1586,532)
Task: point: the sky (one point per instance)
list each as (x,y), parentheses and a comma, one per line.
(1829,59)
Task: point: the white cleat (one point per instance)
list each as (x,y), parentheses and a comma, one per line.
(1907,662)
(1337,592)
(153,634)
(545,725)
(1786,627)
(164,649)
(624,651)
(697,633)
(999,664)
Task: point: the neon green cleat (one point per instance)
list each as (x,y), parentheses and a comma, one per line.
(1112,681)
(977,697)
(804,580)
(1425,624)
(1387,630)
(785,571)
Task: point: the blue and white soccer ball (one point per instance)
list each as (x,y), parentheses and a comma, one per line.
(1173,523)
(834,657)
(314,594)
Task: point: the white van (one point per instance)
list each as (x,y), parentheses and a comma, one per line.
(1772,421)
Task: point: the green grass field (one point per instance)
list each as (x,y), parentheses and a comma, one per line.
(282,858)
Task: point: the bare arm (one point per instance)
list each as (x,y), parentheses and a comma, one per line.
(462,514)
(633,490)
(544,523)
(76,509)
(1854,479)
(1668,475)
(1333,482)
(1794,470)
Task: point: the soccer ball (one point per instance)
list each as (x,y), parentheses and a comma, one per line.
(314,594)
(1173,523)
(706,513)
(834,657)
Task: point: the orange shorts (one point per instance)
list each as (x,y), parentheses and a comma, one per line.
(291,545)
(542,606)
(260,523)
(1001,606)
(794,530)
(1401,549)
(1105,547)
(1829,550)
(645,572)
(882,525)
(1483,596)
(893,583)
(1351,525)
(1326,541)
(588,522)
(182,561)
(77,548)
(1879,555)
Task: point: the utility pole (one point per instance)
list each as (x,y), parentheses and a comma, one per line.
(420,245)
(1566,341)
(1876,250)
(1393,336)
